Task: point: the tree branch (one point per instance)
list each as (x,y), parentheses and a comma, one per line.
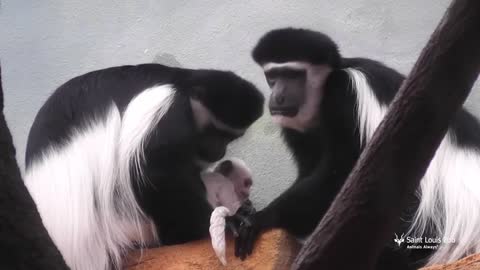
(24,242)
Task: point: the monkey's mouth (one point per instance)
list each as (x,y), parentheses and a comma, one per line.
(284,111)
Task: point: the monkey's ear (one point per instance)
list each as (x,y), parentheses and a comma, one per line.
(225,167)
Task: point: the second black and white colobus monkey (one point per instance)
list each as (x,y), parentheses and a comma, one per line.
(113,157)
(328,108)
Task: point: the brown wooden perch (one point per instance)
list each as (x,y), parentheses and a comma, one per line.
(275,251)
(362,218)
(468,263)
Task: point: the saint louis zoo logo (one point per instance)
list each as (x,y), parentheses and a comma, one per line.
(400,240)
(422,242)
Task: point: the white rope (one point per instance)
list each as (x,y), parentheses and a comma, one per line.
(217,232)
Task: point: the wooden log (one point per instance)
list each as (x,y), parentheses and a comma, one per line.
(363,216)
(24,241)
(275,251)
(471,262)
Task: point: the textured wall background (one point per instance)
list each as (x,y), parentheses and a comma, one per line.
(45,43)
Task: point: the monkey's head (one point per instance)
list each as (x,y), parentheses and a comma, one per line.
(223,106)
(237,171)
(296,63)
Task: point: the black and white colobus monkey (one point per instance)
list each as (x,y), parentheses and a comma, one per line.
(113,157)
(328,108)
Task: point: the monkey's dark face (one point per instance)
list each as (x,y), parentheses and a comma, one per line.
(223,107)
(296,63)
(288,90)
(213,134)
(296,92)
(213,143)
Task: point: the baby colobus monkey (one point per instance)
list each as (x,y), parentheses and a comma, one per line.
(228,184)
(329,107)
(113,157)
(228,190)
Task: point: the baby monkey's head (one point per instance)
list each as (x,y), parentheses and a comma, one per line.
(238,172)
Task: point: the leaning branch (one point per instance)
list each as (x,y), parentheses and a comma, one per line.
(24,242)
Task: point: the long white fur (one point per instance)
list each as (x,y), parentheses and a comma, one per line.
(450,189)
(83,189)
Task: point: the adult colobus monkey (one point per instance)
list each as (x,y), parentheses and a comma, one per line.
(328,108)
(113,157)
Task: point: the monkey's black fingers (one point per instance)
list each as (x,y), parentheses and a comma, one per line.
(243,250)
(241,242)
(252,236)
(244,220)
(237,246)
(246,209)
(232,226)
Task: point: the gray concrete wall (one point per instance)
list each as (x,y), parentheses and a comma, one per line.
(44,43)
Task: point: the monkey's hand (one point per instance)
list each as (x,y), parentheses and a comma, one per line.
(234,222)
(248,233)
(246,209)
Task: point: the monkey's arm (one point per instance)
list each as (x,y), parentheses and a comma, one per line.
(297,210)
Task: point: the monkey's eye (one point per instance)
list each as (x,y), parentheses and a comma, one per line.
(271,82)
(271,77)
(293,73)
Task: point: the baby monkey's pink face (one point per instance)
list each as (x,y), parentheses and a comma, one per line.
(242,187)
(237,171)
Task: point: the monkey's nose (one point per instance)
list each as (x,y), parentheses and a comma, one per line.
(280,99)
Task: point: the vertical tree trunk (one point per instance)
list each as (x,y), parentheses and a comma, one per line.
(362,218)
(24,242)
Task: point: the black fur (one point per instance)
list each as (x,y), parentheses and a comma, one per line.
(326,154)
(226,97)
(24,242)
(231,99)
(291,44)
(225,168)
(175,195)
